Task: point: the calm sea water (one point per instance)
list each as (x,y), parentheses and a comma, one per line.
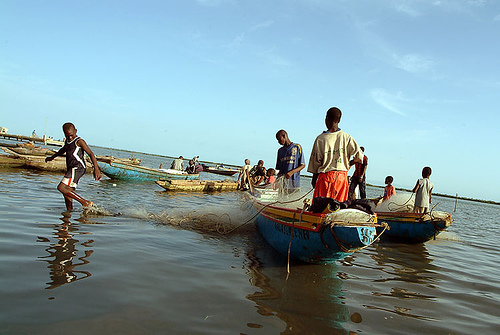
(143,267)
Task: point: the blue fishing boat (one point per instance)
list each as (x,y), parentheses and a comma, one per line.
(406,227)
(119,170)
(315,237)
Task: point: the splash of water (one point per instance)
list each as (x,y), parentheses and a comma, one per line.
(95,210)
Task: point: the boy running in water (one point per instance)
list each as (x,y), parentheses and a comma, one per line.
(74,148)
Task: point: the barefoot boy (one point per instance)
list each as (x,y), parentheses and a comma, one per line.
(423,192)
(74,148)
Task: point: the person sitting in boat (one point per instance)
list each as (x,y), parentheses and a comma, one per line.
(191,169)
(258,173)
(177,164)
(270,178)
(389,190)
(243,176)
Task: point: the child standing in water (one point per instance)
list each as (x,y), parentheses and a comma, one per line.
(74,148)
(423,189)
(389,190)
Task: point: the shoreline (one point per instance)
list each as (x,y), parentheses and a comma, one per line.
(309,176)
(444,195)
(304,175)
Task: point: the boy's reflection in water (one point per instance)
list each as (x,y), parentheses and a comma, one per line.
(63,252)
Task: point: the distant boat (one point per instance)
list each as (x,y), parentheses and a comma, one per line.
(197,185)
(11,161)
(314,237)
(220,170)
(33,151)
(406,227)
(109,159)
(120,170)
(37,162)
(51,141)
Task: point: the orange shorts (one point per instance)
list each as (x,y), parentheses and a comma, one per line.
(332,184)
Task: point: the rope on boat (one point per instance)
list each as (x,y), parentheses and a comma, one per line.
(306,203)
(264,207)
(342,244)
(398,209)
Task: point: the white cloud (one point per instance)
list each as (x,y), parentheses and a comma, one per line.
(406,7)
(238,40)
(274,59)
(479,3)
(413,63)
(262,25)
(390,101)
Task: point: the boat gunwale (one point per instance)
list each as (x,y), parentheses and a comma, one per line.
(315,221)
(196,185)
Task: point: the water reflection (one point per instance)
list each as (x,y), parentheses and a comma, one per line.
(63,257)
(310,301)
(410,263)
(409,277)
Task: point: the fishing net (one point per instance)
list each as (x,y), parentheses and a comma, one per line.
(349,216)
(208,222)
(401,202)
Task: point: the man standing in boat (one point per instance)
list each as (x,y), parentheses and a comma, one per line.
(359,176)
(329,161)
(290,161)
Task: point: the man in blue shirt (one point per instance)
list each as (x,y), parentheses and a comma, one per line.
(290,160)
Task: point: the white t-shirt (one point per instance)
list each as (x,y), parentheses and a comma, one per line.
(331,151)
(423,192)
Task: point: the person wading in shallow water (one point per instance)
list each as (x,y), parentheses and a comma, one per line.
(74,148)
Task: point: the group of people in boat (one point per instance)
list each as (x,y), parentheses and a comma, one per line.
(334,152)
(193,167)
(257,175)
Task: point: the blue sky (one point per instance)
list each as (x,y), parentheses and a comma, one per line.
(418,81)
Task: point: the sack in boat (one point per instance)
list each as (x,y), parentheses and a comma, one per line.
(349,215)
(365,205)
(321,204)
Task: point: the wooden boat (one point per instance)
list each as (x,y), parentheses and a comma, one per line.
(58,164)
(11,161)
(197,185)
(51,141)
(406,227)
(220,170)
(32,151)
(315,237)
(120,170)
(109,159)
(37,162)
